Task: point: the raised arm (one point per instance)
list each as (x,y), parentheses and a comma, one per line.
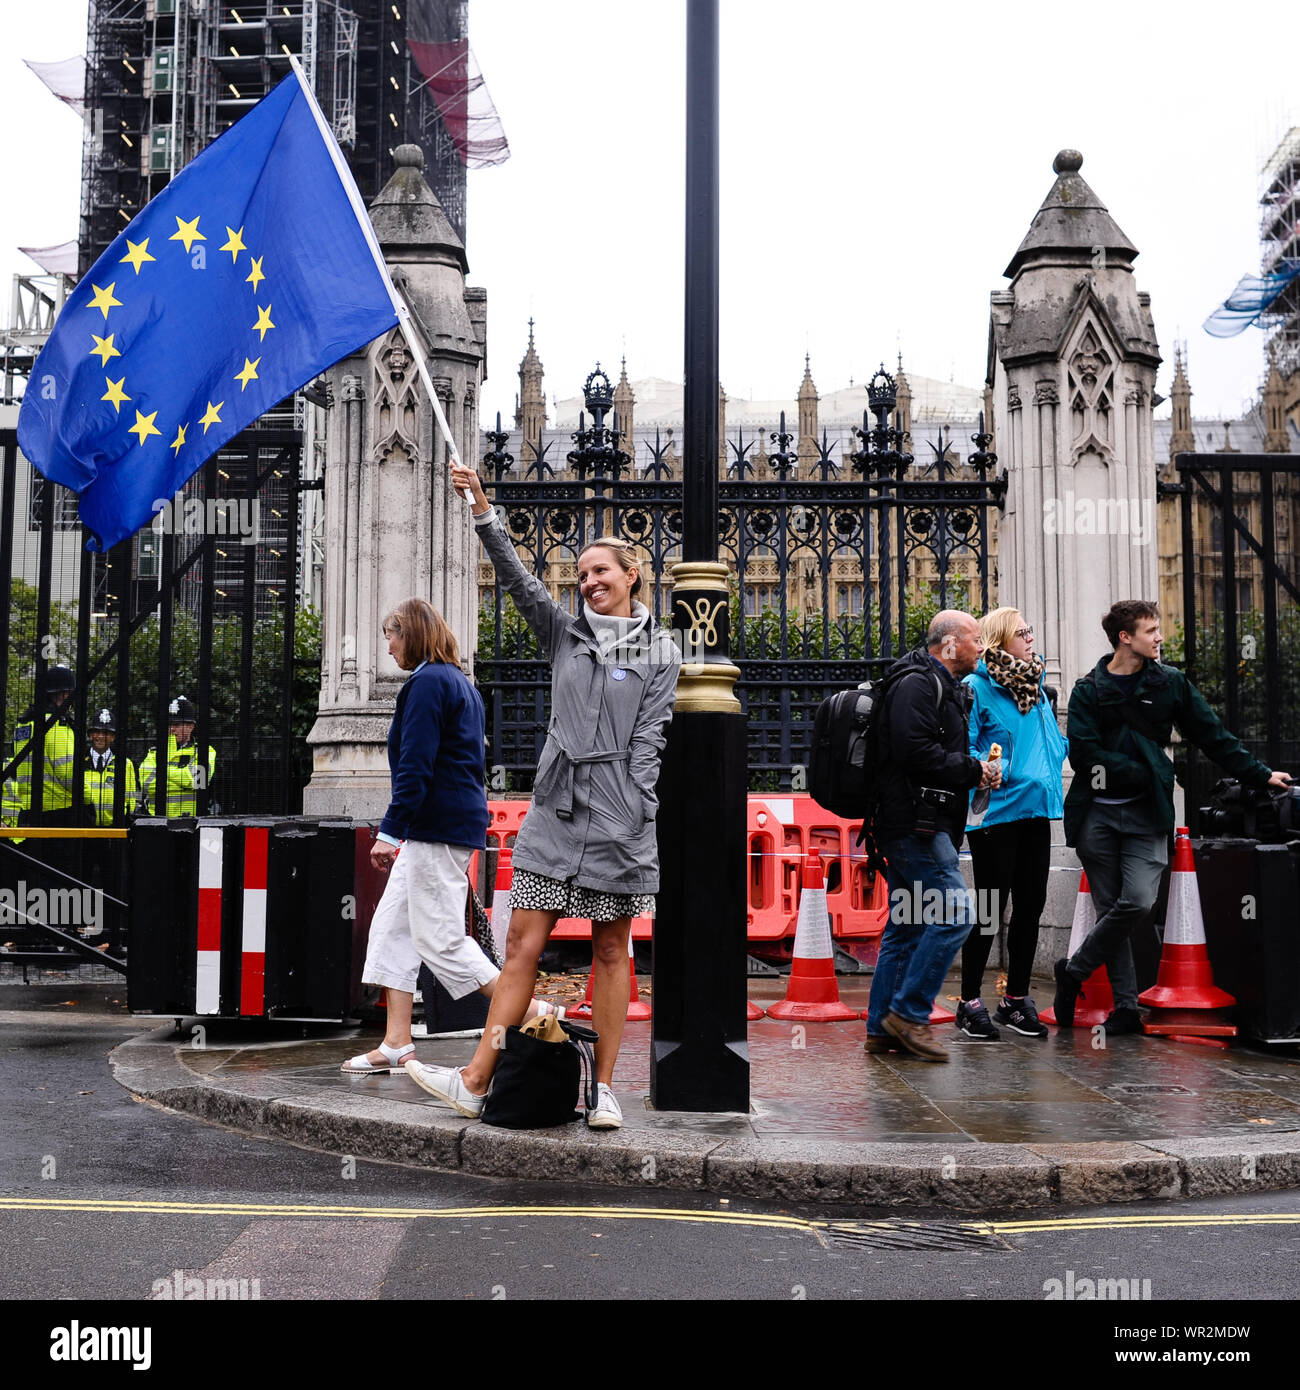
(539,609)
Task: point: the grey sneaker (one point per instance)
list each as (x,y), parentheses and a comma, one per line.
(447,1085)
(607,1114)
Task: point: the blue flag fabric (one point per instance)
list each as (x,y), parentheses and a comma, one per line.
(248,275)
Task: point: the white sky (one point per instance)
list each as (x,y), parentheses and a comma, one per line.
(880,165)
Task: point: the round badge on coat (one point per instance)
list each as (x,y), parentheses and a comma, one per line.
(618,674)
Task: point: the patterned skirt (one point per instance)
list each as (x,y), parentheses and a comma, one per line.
(537,893)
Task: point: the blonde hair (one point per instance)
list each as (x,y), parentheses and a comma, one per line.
(627,555)
(999,627)
(424,633)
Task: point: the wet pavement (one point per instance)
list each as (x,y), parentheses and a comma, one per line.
(1024,1121)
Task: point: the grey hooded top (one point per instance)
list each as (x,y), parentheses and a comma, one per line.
(594,804)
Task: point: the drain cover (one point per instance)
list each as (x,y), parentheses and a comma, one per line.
(915,1235)
(1138,1089)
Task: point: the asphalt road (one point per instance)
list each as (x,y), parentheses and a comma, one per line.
(103,1197)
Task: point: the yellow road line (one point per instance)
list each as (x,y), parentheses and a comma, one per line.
(1101,1223)
(598,1213)
(403,1213)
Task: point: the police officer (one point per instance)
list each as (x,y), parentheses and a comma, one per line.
(102,766)
(58,761)
(185,773)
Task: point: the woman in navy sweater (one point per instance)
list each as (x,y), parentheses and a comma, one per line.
(439,817)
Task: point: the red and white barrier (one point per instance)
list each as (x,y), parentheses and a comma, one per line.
(252,973)
(207,970)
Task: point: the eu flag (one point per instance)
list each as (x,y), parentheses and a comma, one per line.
(244,278)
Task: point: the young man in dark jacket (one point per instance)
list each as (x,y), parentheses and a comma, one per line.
(925,774)
(1119,811)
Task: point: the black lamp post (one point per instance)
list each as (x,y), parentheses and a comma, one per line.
(700,1058)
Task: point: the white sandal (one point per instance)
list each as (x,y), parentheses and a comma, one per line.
(363,1066)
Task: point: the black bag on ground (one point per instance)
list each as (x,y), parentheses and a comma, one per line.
(537,1083)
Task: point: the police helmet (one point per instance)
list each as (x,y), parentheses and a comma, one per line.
(103,722)
(181,711)
(59,678)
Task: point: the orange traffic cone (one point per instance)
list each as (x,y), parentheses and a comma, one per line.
(752,1011)
(637,1009)
(500,914)
(813,996)
(1184,998)
(1095,998)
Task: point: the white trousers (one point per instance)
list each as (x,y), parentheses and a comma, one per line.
(421,917)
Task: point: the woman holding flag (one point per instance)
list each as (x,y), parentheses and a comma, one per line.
(587,847)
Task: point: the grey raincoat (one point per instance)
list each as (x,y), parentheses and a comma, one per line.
(594,805)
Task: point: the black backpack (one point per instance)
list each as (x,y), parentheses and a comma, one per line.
(842,768)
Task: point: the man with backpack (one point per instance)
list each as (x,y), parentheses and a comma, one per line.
(924,775)
(1119,811)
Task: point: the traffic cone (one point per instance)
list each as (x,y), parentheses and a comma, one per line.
(1184,998)
(1095,999)
(500,914)
(752,1011)
(638,1011)
(813,996)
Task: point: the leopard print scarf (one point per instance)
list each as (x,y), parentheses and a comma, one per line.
(1018,678)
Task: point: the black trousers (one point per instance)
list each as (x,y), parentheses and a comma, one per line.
(1010,860)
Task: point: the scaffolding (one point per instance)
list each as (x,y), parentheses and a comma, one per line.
(165,77)
(1280,249)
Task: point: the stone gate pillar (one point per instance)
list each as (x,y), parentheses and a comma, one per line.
(393,527)
(1071,367)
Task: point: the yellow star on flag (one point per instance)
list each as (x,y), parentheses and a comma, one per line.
(103,299)
(262,324)
(104,348)
(115,393)
(144,426)
(188,232)
(137,253)
(234,243)
(248,374)
(210,415)
(255,276)
(178,441)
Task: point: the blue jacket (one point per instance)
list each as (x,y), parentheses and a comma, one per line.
(1033,750)
(436,755)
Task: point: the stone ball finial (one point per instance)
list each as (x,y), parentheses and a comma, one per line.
(1067,162)
(409,157)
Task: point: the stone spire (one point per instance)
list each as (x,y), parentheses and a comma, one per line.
(398,530)
(1275,438)
(625,409)
(1072,364)
(1072,219)
(530,414)
(808,399)
(903,413)
(1181,440)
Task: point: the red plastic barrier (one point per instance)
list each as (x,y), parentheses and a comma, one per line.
(781,832)
(857,900)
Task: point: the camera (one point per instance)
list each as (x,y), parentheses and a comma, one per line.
(1268,814)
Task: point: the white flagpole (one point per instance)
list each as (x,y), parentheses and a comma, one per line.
(363,221)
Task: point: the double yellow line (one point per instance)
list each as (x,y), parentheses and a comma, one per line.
(141,1207)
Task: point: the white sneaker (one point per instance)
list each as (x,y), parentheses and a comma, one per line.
(448,1086)
(607,1114)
